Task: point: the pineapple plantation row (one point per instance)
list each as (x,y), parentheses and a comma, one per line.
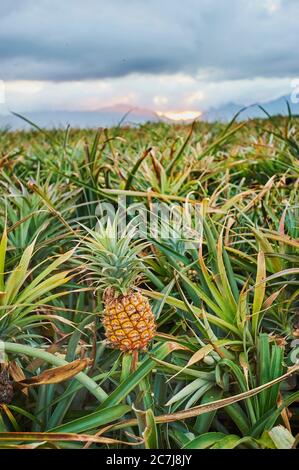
(149,338)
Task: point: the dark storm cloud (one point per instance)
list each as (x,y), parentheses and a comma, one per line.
(219,39)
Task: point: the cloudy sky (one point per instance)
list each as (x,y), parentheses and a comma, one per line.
(166,55)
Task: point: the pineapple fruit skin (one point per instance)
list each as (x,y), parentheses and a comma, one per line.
(6,387)
(129,322)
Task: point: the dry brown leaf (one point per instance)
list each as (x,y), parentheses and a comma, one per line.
(200,354)
(16,372)
(48,436)
(17,375)
(57,374)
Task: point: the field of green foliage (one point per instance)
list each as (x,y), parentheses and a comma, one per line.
(222,370)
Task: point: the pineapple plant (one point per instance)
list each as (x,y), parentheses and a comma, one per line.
(116,269)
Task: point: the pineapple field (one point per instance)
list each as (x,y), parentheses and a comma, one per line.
(149,283)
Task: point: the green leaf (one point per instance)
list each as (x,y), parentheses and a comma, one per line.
(227,442)
(204,421)
(205,440)
(94,420)
(198,385)
(259,291)
(18,276)
(281,437)
(150,433)
(3,246)
(121,392)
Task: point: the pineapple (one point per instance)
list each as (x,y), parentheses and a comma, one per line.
(116,268)
(6,387)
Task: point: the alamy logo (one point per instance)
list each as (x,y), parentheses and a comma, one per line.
(180,222)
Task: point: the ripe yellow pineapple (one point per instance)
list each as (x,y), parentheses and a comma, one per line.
(129,322)
(128,319)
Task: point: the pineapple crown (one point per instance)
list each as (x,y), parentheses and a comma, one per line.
(113,259)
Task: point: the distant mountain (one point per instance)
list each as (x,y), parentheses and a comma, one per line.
(124,114)
(229,110)
(105,117)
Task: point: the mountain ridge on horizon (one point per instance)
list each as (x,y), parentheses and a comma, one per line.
(122,113)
